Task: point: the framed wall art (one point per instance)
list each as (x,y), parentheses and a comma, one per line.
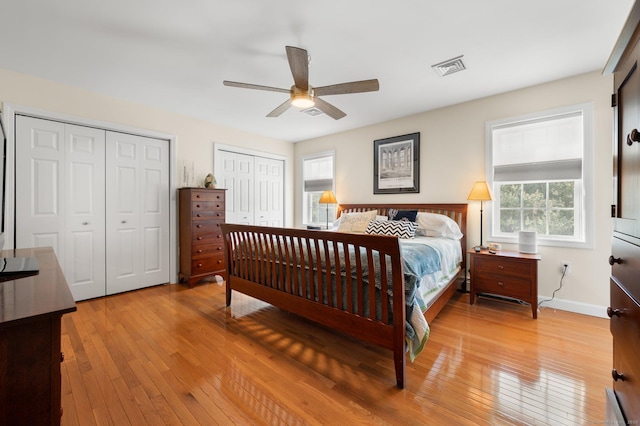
(396,164)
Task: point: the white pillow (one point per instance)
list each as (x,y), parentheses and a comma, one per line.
(397,228)
(356,222)
(437,225)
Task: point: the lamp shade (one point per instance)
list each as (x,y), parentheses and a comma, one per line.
(479,192)
(327,197)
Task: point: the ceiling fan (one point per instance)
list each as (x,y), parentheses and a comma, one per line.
(302,94)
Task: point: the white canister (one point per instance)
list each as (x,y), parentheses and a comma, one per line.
(527,242)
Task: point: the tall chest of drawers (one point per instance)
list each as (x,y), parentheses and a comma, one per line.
(201,211)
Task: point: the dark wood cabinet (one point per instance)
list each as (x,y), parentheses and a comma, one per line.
(509,274)
(31,310)
(624,309)
(201,211)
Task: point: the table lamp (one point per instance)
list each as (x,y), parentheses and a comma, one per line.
(327,198)
(480,192)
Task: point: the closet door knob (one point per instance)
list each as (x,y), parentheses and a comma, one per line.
(123,221)
(85,223)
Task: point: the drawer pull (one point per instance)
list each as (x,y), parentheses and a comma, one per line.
(200,251)
(219,248)
(199,238)
(616,375)
(199,265)
(500,266)
(197,195)
(198,206)
(632,137)
(198,226)
(613,260)
(500,283)
(61,356)
(198,215)
(613,312)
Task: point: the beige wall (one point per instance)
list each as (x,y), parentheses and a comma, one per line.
(452,158)
(194,138)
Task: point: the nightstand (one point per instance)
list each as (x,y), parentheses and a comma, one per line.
(505,273)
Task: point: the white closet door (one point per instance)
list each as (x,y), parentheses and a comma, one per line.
(137,212)
(84,263)
(276,193)
(237,177)
(269,188)
(60,198)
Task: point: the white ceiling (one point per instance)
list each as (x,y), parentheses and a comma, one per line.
(175,54)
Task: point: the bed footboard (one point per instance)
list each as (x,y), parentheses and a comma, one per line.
(350,283)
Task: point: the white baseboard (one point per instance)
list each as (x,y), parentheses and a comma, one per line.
(572,306)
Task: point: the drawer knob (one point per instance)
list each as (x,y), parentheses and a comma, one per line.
(500,267)
(199,265)
(219,248)
(617,376)
(200,251)
(198,226)
(198,205)
(61,356)
(632,137)
(199,238)
(197,195)
(613,260)
(613,312)
(500,283)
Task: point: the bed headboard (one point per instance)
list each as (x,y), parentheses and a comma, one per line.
(457,212)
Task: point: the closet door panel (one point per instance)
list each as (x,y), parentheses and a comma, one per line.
(138,218)
(84,263)
(39,184)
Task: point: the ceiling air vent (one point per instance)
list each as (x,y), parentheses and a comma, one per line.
(313,111)
(449,66)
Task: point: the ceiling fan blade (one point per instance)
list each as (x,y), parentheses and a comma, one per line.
(329,109)
(352,87)
(254,86)
(282,108)
(299,64)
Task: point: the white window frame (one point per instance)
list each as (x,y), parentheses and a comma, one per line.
(305,207)
(585,190)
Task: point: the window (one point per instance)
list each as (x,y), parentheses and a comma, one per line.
(540,172)
(317,176)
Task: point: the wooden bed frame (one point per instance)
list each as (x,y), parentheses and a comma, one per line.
(284,267)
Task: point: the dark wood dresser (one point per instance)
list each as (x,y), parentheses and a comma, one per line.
(31,310)
(201,211)
(623,400)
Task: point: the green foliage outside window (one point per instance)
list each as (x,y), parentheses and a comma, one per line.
(545,207)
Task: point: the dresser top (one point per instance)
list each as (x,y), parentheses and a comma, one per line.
(504,253)
(46,293)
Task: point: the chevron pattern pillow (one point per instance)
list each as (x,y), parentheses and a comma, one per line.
(398,228)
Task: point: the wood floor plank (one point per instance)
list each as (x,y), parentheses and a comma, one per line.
(173,355)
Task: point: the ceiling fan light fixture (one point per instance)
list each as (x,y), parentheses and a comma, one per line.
(302,100)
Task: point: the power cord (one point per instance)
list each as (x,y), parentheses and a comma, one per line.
(564,272)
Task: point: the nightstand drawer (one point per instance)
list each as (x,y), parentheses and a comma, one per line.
(519,288)
(502,266)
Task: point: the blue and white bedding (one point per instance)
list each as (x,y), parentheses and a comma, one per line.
(446,254)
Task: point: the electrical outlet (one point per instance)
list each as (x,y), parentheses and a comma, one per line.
(565,267)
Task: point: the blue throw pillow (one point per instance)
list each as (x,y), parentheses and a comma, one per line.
(408,215)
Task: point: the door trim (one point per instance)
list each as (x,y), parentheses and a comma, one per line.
(8,117)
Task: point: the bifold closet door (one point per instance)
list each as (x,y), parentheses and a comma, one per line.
(60,202)
(137,223)
(237,177)
(269,191)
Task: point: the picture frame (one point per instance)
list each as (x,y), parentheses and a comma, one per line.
(396,164)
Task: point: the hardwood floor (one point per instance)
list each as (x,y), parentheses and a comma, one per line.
(172,355)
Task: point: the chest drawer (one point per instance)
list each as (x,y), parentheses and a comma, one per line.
(491,266)
(207,264)
(202,210)
(627,271)
(207,195)
(207,249)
